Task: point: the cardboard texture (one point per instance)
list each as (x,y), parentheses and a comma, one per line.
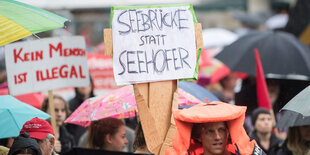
(160,103)
(168,140)
(156,118)
(198,36)
(172,127)
(155,101)
(108,42)
(174,104)
(151,135)
(144,91)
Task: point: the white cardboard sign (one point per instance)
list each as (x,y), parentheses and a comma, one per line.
(46,64)
(153,44)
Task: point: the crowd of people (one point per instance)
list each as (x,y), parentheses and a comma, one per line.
(215,128)
(233,125)
(212,128)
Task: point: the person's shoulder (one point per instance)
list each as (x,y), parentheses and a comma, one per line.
(64,132)
(273,136)
(283,150)
(74,103)
(54,153)
(73,100)
(4,150)
(252,135)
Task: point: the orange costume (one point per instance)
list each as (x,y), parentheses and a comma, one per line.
(212,112)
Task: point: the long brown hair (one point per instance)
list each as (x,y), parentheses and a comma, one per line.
(44,106)
(99,129)
(139,142)
(295,143)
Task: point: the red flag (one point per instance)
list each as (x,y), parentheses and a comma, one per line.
(261,87)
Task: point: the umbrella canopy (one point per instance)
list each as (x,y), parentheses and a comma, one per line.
(197,91)
(217,37)
(19,20)
(14,114)
(33,99)
(120,103)
(277,21)
(251,21)
(283,56)
(291,119)
(300,103)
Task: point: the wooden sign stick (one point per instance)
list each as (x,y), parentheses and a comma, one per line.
(51,109)
(172,127)
(154,102)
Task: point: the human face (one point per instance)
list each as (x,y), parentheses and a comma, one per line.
(273,90)
(60,111)
(10,142)
(231,81)
(214,138)
(304,131)
(45,147)
(263,123)
(118,141)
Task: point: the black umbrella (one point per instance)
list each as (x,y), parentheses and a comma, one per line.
(291,118)
(283,56)
(288,90)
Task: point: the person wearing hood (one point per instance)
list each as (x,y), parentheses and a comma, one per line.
(23,144)
(81,94)
(214,128)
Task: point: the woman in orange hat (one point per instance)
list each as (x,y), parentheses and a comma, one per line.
(213,128)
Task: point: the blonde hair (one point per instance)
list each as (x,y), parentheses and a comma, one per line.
(295,143)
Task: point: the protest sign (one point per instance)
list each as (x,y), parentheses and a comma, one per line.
(101,71)
(46,64)
(153,43)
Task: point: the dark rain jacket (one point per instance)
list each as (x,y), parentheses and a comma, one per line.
(75,130)
(284,150)
(274,144)
(66,140)
(22,142)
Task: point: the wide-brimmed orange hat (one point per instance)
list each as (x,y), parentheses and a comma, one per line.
(211,112)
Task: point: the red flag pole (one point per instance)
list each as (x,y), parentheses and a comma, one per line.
(261,87)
